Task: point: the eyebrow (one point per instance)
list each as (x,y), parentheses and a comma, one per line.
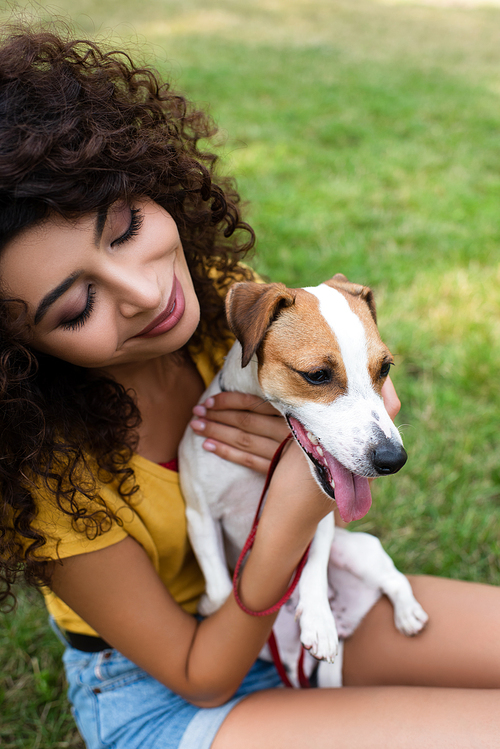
(102,215)
(68,282)
(54,295)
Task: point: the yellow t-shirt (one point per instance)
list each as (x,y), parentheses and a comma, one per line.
(155,518)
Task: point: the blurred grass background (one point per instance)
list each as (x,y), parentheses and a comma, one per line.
(365,136)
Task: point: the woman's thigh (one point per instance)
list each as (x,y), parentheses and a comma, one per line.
(404,693)
(460,646)
(364,718)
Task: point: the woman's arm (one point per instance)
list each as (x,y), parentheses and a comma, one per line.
(117,591)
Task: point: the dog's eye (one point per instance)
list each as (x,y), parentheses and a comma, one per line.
(317,377)
(385,369)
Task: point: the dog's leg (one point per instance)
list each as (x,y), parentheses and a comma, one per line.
(409,616)
(318,631)
(364,556)
(205,535)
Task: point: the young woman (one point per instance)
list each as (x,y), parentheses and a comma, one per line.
(117,244)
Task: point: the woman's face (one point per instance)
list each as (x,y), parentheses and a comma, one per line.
(107,289)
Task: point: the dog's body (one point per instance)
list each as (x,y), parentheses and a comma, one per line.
(316,355)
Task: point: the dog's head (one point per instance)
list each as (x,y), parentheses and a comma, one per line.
(322,364)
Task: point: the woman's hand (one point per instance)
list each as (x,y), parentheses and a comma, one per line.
(241,428)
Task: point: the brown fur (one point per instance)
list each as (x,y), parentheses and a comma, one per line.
(289,335)
(310,346)
(250,310)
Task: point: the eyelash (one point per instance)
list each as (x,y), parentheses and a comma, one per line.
(82,318)
(136,219)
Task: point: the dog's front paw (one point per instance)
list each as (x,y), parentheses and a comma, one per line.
(318,633)
(410,619)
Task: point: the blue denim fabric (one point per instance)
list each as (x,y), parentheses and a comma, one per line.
(117,705)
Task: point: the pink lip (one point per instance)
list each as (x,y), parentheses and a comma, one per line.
(170,316)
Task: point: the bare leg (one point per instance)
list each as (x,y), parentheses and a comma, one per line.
(364,718)
(459,648)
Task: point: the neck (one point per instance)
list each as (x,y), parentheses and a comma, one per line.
(165,389)
(147,376)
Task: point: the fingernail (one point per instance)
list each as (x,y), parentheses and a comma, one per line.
(200,410)
(198,425)
(209,402)
(210,446)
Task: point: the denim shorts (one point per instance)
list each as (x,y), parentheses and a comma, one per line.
(117,705)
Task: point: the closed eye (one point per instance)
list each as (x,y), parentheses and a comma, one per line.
(77,322)
(136,220)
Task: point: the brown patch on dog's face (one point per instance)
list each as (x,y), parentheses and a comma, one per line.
(299,351)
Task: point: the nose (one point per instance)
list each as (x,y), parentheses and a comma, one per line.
(137,292)
(388,458)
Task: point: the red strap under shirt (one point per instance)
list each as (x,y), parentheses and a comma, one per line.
(171,465)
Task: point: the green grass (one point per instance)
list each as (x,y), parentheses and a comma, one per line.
(365,136)
(33,706)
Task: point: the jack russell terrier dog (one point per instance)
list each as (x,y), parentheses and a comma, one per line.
(316,355)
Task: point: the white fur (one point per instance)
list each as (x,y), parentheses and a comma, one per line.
(222,497)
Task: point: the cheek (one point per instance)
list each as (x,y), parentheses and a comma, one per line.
(81,348)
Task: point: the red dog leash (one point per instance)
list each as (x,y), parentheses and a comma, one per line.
(304,682)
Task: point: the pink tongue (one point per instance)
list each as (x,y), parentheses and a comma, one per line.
(352,493)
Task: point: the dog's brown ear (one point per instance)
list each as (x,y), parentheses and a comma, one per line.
(339,281)
(251,308)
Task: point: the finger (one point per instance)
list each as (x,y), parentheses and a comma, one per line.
(232,454)
(239,402)
(247,421)
(260,446)
(391,400)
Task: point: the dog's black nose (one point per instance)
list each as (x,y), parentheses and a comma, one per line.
(389,458)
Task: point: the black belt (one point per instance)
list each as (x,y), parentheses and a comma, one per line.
(87,643)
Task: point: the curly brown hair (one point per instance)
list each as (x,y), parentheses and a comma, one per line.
(81,127)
